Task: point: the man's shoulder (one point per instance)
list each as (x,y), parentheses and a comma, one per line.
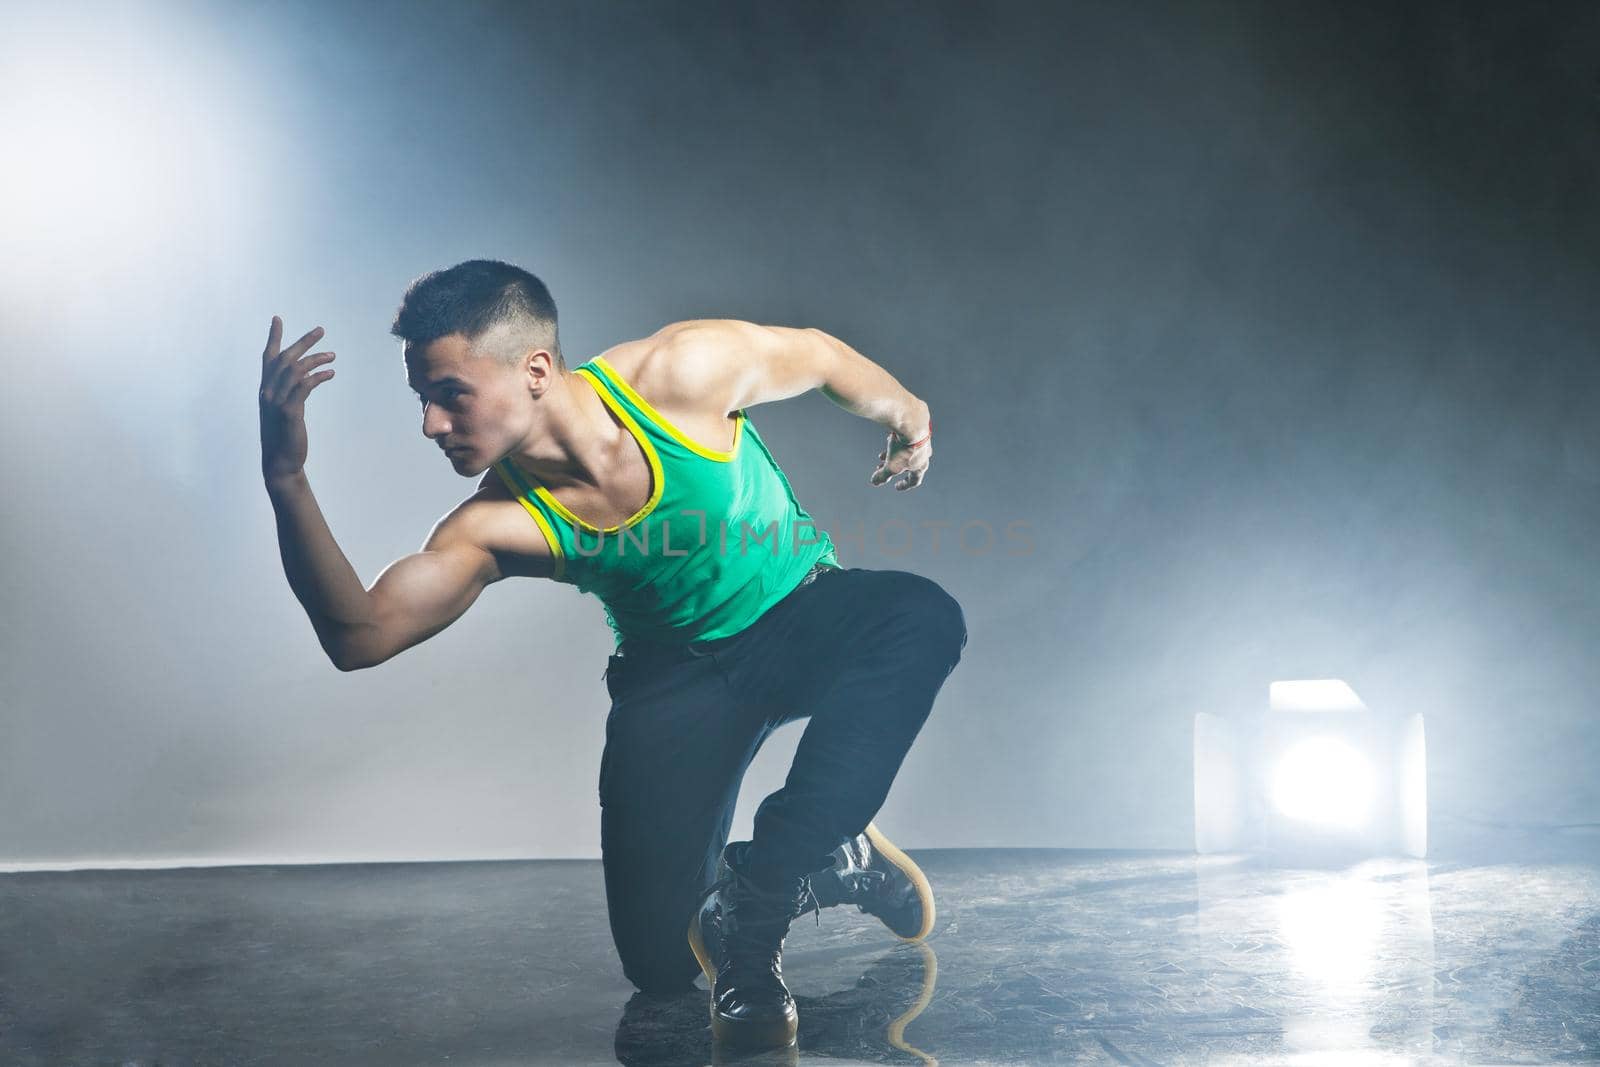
(493,521)
(689,367)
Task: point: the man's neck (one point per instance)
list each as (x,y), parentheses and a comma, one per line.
(582,439)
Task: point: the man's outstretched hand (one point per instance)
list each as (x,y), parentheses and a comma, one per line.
(286,381)
(898,457)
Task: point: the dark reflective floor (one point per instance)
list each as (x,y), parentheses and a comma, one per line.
(1038,957)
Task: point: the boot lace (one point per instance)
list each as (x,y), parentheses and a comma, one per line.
(760,940)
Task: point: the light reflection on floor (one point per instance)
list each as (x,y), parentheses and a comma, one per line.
(1038,957)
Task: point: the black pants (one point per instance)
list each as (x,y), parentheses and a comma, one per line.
(861,652)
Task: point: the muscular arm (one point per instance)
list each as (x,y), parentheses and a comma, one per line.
(414,598)
(732,364)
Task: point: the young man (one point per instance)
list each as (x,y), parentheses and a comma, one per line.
(638,476)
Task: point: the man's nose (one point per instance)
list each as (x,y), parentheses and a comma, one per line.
(434,424)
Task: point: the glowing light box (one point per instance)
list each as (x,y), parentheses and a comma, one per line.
(1317,777)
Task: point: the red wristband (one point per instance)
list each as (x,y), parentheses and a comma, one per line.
(915,444)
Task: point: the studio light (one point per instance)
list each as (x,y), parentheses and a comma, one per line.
(1318,777)
(1323,780)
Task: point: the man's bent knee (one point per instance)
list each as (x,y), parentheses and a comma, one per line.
(941,614)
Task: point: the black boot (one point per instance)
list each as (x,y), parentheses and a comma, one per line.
(737,935)
(871,873)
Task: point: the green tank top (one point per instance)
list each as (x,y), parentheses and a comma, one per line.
(720,540)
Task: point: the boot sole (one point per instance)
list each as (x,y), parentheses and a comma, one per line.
(697,945)
(913,873)
(747,1034)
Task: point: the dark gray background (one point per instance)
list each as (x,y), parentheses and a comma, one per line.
(1274,324)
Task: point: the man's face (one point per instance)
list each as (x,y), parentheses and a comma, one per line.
(476,408)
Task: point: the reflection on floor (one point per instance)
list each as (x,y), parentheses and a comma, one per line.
(1039,957)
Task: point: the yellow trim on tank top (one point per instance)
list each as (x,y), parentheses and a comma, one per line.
(650,456)
(615,379)
(538,517)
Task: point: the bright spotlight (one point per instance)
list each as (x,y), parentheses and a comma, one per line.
(1324,780)
(1318,777)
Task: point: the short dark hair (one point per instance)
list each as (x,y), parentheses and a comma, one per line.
(470,298)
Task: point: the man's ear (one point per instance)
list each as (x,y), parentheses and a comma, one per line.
(538,370)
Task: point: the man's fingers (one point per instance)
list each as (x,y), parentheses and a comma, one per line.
(274,335)
(296,350)
(273,361)
(895,468)
(291,374)
(286,376)
(303,387)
